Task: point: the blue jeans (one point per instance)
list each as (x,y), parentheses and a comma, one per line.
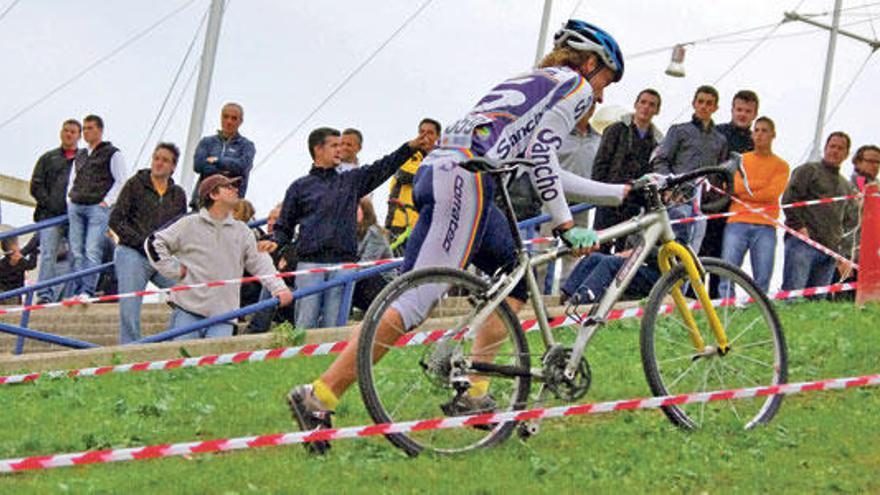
(759,241)
(133,271)
(321,308)
(805,266)
(88,224)
(51,239)
(594,274)
(181,318)
(691,233)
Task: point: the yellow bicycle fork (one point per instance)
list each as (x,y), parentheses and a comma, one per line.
(671,254)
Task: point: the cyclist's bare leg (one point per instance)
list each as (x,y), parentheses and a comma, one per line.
(492,335)
(342,374)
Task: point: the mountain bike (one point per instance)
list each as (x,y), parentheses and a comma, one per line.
(471,336)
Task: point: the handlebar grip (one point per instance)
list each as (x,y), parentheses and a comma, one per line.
(675,180)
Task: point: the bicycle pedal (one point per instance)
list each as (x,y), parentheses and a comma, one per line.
(528,429)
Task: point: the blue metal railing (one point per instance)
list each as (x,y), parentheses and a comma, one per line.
(42,224)
(344,280)
(528,227)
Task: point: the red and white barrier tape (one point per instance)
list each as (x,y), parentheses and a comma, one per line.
(180,288)
(789,230)
(243,443)
(410,339)
(362,264)
(769,209)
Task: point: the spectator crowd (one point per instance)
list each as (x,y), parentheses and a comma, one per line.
(140,218)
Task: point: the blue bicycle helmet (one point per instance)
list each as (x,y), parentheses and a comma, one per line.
(586,37)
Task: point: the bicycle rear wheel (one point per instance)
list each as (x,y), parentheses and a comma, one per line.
(757,354)
(423,372)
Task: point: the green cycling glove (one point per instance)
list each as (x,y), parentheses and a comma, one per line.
(580,237)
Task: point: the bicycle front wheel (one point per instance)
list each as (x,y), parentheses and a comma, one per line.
(756,356)
(425,369)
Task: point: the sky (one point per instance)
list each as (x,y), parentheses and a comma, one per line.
(281,60)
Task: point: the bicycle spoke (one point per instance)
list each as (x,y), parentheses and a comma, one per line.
(680,358)
(748,327)
(741,374)
(732,402)
(687,332)
(702,390)
(754,344)
(406,394)
(682,375)
(753,360)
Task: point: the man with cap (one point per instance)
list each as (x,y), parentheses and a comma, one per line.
(211,245)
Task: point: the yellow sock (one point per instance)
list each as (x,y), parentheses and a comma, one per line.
(325,395)
(479,387)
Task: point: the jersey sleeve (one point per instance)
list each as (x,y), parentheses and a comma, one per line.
(547,176)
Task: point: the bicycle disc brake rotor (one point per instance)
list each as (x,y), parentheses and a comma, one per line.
(564,388)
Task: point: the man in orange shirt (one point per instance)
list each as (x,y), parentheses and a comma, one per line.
(753,232)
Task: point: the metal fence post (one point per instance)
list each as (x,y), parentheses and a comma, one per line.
(25,317)
(345,304)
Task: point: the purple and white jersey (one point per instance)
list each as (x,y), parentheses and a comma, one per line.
(529,116)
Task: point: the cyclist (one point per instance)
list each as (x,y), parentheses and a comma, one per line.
(526,116)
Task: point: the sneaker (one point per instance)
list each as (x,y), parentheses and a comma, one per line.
(467,405)
(310,414)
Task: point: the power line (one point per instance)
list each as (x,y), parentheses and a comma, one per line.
(341,85)
(189,80)
(701,40)
(8,8)
(575,9)
(714,38)
(98,62)
(738,61)
(790,35)
(855,7)
(186,56)
(849,86)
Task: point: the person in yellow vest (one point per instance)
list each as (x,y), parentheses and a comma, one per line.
(402,214)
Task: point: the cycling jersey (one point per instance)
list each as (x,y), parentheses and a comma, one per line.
(528,116)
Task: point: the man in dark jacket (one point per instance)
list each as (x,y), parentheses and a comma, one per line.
(691,146)
(148,201)
(96,178)
(227,152)
(14,262)
(738,133)
(806,266)
(624,155)
(49,188)
(324,206)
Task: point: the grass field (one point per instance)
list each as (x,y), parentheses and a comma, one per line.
(821,442)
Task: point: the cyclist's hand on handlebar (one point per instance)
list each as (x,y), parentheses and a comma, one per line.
(582,241)
(657,180)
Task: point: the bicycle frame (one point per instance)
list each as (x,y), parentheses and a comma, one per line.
(655,227)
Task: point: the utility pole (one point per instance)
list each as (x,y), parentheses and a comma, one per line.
(542,36)
(834,30)
(203,90)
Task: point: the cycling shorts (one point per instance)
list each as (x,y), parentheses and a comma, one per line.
(458,224)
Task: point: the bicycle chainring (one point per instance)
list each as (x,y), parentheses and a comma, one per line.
(569,390)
